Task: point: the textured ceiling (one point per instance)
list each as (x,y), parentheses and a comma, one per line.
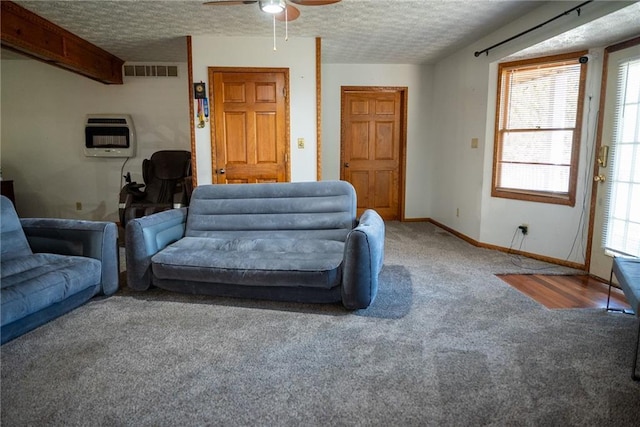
(352,31)
(617,26)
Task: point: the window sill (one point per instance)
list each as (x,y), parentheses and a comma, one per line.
(532,196)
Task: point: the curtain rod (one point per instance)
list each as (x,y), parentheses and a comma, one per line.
(566,12)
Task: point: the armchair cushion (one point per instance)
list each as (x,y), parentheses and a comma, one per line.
(14,243)
(34,282)
(90,239)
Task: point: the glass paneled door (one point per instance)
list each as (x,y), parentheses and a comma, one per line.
(617,214)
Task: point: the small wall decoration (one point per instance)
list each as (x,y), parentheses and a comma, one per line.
(199,90)
(200,94)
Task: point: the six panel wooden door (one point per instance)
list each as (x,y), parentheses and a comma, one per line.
(248,133)
(370,155)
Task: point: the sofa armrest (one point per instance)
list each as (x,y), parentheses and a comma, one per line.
(363,260)
(94,239)
(145,237)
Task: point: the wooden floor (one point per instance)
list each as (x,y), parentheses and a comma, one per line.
(557,292)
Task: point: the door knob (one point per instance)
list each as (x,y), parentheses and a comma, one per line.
(346,164)
(221,171)
(600,178)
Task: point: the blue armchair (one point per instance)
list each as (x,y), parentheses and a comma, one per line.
(50,266)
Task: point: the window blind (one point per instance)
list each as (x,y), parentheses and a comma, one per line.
(622,225)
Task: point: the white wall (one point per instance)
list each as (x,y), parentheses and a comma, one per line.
(297,54)
(464,108)
(43,115)
(555,230)
(417,79)
(459,109)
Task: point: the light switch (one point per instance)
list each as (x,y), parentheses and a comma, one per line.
(474,142)
(300,142)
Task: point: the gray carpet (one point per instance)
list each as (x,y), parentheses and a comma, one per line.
(445,344)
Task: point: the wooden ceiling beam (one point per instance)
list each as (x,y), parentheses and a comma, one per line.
(36,37)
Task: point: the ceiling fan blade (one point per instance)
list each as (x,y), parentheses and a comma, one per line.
(292,14)
(229,2)
(314,2)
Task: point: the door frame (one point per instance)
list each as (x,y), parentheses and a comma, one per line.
(287,123)
(598,143)
(404,92)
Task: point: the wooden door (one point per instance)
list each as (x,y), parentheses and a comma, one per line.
(249,132)
(373,129)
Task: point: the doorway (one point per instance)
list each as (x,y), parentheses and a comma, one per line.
(373,146)
(249,132)
(616,194)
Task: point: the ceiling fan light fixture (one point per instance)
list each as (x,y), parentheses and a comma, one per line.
(272,6)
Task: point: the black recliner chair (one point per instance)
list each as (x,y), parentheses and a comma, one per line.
(167,184)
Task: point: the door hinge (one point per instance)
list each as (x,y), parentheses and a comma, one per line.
(284,92)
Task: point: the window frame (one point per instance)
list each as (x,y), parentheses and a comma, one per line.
(569,197)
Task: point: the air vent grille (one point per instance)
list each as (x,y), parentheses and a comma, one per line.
(107,121)
(151,70)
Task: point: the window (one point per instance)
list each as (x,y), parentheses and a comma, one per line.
(538,121)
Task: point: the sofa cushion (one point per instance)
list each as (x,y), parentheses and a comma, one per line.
(253,262)
(31,283)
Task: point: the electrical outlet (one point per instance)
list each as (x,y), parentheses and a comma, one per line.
(300,143)
(524,228)
(78,206)
(474,142)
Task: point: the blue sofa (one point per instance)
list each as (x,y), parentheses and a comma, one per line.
(282,241)
(50,266)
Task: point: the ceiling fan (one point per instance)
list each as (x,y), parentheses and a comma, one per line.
(283,10)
